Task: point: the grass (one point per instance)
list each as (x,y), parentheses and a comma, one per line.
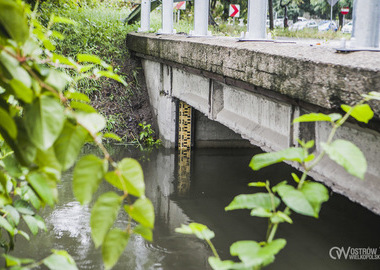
(100,31)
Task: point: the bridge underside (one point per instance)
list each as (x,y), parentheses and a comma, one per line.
(239,106)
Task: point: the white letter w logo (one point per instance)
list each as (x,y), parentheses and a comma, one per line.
(336,253)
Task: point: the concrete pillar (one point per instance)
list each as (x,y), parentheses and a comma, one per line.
(201,10)
(257,18)
(145,16)
(167,17)
(366,24)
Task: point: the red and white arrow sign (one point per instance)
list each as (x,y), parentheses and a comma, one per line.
(234,10)
(181,5)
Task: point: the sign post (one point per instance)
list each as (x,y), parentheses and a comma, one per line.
(332,4)
(234,12)
(344,11)
(180,6)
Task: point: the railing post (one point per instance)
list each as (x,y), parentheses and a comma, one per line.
(257,19)
(145,16)
(201,11)
(366,24)
(167,17)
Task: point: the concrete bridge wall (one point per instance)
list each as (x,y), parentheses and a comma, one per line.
(256,90)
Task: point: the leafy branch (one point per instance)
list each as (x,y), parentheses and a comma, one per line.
(305,199)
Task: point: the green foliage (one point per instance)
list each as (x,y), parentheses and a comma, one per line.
(348,155)
(44,122)
(306,198)
(146,136)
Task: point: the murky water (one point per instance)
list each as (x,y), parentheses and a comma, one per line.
(217,175)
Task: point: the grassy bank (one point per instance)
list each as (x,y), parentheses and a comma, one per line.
(100,30)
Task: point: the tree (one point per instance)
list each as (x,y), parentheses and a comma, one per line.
(44,123)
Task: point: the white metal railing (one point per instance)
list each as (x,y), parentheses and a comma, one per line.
(201,11)
(145,16)
(366,24)
(365,34)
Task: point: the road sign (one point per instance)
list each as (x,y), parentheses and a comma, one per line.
(345,10)
(180,5)
(234,10)
(332,2)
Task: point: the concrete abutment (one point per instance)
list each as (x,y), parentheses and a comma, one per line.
(231,110)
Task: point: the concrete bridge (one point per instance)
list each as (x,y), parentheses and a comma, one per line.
(254,90)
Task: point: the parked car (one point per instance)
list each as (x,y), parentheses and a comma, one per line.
(300,25)
(327,25)
(347,28)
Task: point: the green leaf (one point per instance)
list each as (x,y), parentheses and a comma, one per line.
(218,264)
(142,211)
(23,207)
(21,91)
(88,173)
(31,196)
(44,121)
(48,159)
(13,20)
(69,144)
(145,232)
(12,215)
(251,201)
(24,234)
(257,184)
(13,67)
(5,224)
(296,178)
(82,106)
(133,177)
(316,194)
(309,144)
(362,113)
(199,230)
(348,155)
(77,96)
(12,261)
(45,188)
(58,80)
(89,58)
(296,200)
(111,75)
(112,136)
(312,117)
(263,160)
(32,223)
(261,212)
(60,261)
(103,216)
(335,116)
(93,122)
(113,246)
(373,95)
(63,20)
(57,58)
(7,122)
(246,251)
(253,255)
(283,217)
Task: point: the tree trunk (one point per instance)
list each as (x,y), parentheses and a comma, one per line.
(270,7)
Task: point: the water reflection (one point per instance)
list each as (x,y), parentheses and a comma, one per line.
(217,176)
